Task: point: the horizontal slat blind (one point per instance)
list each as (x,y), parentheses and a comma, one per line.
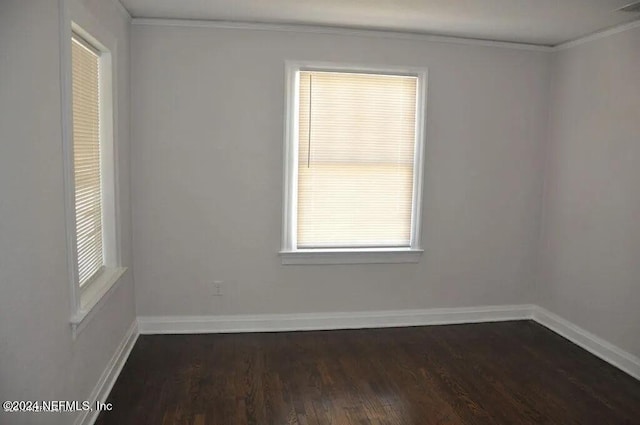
(86,159)
(356,146)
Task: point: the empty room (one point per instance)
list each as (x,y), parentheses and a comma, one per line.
(310,212)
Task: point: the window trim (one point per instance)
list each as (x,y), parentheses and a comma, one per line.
(289,252)
(87,300)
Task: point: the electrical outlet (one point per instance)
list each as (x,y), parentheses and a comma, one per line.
(217,288)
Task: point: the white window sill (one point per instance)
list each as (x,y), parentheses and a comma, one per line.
(352,256)
(93,297)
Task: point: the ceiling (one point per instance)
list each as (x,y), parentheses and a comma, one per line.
(543,22)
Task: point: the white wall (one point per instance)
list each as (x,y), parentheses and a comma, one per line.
(39,360)
(590,251)
(207,120)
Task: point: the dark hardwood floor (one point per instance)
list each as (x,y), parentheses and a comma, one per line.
(492,373)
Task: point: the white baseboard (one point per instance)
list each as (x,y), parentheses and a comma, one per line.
(110,375)
(615,356)
(327,321)
(597,346)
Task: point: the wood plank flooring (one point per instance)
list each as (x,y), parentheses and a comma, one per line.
(491,373)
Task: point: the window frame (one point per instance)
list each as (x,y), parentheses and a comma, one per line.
(86,299)
(104,113)
(290,253)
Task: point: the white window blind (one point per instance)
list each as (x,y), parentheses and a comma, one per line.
(86,159)
(356,145)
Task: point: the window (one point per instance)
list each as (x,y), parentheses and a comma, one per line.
(90,174)
(86,160)
(353,165)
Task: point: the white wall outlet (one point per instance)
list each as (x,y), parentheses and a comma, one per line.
(217,288)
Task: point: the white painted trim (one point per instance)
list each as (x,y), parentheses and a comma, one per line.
(352,256)
(597,36)
(343,31)
(597,346)
(92,300)
(107,143)
(328,321)
(66,118)
(422,91)
(109,375)
(75,19)
(290,152)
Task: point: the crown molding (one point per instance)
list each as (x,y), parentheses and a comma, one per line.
(597,35)
(123,10)
(343,31)
(359,32)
